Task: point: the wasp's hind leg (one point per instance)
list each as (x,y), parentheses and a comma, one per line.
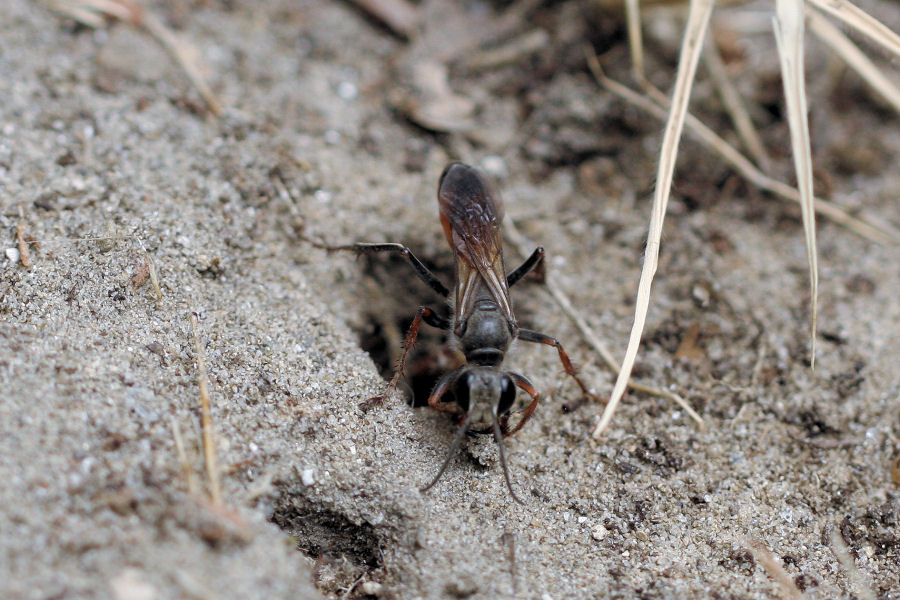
(522,270)
(422,272)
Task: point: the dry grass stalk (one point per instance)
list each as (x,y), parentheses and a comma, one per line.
(842,553)
(854,57)
(183,458)
(209,448)
(635,41)
(695,31)
(774,569)
(789,35)
(738,161)
(788,25)
(861,21)
(734,106)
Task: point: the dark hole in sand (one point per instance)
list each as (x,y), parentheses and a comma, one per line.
(345,553)
(388,317)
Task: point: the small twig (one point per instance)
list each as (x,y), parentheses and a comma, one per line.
(587,333)
(179,52)
(510,540)
(400,16)
(209,449)
(353,585)
(26,242)
(183,458)
(826,444)
(99,238)
(774,570)
(93,13)
(509,53)
(842,553)
(739,162)
(24,254)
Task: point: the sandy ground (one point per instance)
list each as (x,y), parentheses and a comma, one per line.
(109,160)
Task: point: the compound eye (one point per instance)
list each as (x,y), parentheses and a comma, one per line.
(461,391)
(507,395)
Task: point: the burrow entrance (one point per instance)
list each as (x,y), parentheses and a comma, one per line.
(394,294)
(344,553)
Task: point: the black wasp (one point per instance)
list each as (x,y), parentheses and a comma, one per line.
(482,325)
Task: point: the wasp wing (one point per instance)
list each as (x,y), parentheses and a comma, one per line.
(471,219)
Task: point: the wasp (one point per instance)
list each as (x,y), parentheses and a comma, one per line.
(482,325)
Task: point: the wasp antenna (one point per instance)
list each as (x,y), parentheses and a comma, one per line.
(453,448)
(499,437)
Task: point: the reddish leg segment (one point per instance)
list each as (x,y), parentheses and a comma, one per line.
(440,388)
(422,314)
(526,412)
(539,338)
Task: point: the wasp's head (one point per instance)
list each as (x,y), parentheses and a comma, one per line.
(484,394)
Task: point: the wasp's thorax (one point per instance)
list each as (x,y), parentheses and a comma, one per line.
(486,334)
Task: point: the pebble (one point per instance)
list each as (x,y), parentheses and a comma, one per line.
(308,477)
(599,532)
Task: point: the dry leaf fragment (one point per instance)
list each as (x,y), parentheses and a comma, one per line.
(689,349)
(141,274)
(432,104)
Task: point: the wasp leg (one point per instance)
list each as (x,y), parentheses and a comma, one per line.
(422,271)
(539,338)
(440,388)
(422,314)
(522,270)
(526,412)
